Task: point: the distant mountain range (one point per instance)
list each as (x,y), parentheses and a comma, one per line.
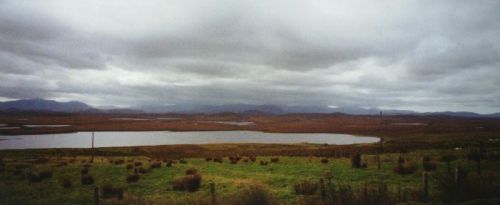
(42,105)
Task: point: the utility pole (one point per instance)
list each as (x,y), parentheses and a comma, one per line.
(380,142)
(92,159)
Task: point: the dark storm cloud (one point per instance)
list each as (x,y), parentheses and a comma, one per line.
(422,55)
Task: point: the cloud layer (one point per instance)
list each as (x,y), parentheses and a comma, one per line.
(421,55)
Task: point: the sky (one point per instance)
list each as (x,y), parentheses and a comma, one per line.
(420,55)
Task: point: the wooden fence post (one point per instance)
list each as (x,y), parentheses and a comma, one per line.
(378,160)
(322,189)
(328,177)
(425,188)
(212,193)
(365,194)
(96,195)
(458,181)
(399,194)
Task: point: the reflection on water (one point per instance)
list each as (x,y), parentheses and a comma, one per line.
(130,119)
(122,138)
(37,126)
(8,128)
(238,123)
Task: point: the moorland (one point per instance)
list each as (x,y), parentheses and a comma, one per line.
(420,159)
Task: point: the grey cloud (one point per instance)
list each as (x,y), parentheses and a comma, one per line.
(422,54)
(35,38)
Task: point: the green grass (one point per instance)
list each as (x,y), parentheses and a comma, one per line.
(277,178)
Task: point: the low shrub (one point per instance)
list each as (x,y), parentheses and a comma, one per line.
(379,195)
(218,159)
(143,170)
(208,159)
(400,160)
(234,160)
(324,161)
(263,163)
(191,171)
(41,161)
(178,184)
(429,166)
(21,166)
(66,183)
(131,178)
(130,166)
(426,158)
(168,163)
(17,172)
(275,159)
(87,165)
(120,161)
(61,164)
(109,191)
(251,196)
(45,174)
(253,158)
(87,180)
(137,164)
(356,161)
(305,187)
(405,168)
(84,171)
(33,177)
(346,195)
(192,182)
(182,161)
(155,165)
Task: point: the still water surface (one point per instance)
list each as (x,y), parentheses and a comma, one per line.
(127,138)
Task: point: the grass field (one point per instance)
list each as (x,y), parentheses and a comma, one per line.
(277,179)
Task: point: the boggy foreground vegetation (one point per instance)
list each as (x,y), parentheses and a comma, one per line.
(361,174)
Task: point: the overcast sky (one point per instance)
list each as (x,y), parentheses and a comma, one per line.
(419,55)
